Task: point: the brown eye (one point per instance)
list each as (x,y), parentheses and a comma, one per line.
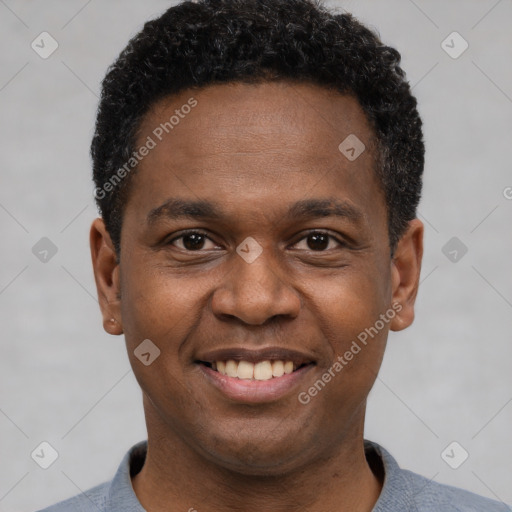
(192,241)
(319,241)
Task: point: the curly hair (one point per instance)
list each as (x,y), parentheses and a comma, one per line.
(203,42)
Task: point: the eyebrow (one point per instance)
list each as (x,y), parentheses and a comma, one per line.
(176,208)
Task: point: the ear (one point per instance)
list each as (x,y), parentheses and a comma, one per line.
(106,275)
(405,274)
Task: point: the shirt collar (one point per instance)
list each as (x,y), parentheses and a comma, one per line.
(121,496)
(397,492)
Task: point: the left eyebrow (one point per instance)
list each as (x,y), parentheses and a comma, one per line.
(176,208)
(315,208)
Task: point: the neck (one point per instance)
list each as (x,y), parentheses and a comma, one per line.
(175,473)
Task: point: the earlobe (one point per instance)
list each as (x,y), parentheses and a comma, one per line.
(405,274)
(112,326)
(106,275)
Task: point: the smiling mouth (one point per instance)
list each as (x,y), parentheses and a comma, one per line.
(261,370)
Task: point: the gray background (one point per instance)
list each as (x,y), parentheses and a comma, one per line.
(64,381)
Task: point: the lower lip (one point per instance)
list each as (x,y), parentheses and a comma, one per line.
(255,391)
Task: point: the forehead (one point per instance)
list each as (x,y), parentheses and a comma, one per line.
(260,141)
(280,115)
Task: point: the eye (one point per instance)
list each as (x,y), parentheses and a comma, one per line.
(319,241)
(192,241)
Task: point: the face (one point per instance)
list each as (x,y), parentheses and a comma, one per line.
(255,258)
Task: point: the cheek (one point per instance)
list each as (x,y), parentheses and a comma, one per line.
(163,310)
(350,302)
(355,319)
(158,306)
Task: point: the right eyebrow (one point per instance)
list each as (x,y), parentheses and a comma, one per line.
(175,208)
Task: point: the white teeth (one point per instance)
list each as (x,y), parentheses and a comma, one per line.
(278,368)
(245,370)
(264,370)
(231,368)
(221,367)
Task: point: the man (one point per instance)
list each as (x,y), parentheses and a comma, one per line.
(258,166)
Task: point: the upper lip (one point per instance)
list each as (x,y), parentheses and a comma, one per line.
(256,355)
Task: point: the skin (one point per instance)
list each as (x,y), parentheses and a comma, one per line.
(255,150)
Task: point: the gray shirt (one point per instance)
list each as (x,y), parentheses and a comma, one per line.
(403,491)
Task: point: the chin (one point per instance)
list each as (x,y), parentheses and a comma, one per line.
(254,455)
(257,463)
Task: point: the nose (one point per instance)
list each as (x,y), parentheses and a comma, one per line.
(255,292)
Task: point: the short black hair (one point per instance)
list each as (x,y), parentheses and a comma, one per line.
(199,43)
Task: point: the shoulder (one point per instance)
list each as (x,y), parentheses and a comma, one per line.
(404,491)
(112,496)
(429,496)
(90,501)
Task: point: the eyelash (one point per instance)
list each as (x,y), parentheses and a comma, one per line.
(312,232)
